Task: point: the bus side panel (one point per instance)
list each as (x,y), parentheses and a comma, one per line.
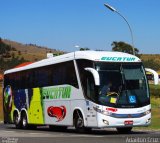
(56,104)
(35,108)
(23,99)
(57,112)
(13,100)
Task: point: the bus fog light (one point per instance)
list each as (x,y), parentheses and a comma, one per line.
(148,121)
(106,122)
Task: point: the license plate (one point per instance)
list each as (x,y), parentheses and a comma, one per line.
(128,122)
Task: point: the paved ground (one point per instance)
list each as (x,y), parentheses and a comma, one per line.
(8,134)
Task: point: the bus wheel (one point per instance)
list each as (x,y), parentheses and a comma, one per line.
(79,122)
(16,120)
(124,130)
(24,121)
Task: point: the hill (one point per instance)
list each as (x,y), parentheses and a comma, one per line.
(30,52)
(13,53)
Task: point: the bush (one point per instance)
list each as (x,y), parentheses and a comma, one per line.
(155,90)
(151,63)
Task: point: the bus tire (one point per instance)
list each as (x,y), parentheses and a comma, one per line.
(24,121)
(124,130)
(79,121)
(16,120)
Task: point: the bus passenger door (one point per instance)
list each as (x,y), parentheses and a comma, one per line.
(91,114)
(91,95)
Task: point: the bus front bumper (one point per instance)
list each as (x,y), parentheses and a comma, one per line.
(107,121)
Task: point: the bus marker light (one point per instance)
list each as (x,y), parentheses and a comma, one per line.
(112,109)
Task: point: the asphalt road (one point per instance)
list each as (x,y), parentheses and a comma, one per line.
(9,134)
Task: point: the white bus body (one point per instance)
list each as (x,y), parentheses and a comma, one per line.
(65,91)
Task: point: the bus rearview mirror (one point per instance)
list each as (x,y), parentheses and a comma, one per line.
(95,75)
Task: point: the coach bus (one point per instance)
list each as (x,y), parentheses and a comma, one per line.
(83,89)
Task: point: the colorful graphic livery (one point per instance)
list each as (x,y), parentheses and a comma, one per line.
(8,99)
(85,89)
(57,112)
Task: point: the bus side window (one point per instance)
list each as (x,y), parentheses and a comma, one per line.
(41,79)
(82,64)
(71,77)
(64,73)
(30,79)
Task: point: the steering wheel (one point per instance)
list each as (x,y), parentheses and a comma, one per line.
(112,93)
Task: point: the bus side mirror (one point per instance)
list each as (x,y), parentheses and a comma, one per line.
(155,75)
(95,75)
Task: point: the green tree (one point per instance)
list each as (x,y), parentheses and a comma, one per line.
(13,55)
(4,48)
(123,47)
(19,52)
(84,49)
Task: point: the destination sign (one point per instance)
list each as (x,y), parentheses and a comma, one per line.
(119,59)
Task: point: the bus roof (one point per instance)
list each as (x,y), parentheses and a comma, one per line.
(103,56)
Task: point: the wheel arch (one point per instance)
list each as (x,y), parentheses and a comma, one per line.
(16,111)
(83,115)
(24,111)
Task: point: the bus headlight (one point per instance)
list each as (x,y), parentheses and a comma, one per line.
(147,112)
(104,112)
(148,121)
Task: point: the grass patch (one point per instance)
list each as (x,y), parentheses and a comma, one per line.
(155,124)
(154,90)
(155,102)
(152,86)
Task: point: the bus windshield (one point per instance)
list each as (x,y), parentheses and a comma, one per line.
(122,85)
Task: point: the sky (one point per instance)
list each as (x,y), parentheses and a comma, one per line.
(64,24)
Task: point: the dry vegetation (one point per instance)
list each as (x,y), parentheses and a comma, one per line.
(155,57)
(1,109)
(30,52)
